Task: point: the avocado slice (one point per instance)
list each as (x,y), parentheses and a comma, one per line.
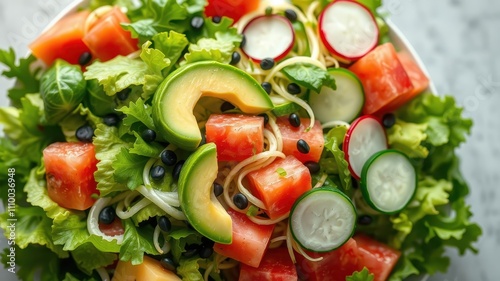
(178,94)
(198,202)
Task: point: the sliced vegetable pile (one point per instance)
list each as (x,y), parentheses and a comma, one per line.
(228,140)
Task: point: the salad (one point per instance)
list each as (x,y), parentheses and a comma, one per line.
(186,140)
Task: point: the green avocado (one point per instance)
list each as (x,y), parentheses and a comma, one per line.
(178,94)
(198,202)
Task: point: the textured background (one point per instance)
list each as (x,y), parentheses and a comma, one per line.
(458,41)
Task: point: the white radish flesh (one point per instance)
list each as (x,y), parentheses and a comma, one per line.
(268,36)
(348,29)
(365,137)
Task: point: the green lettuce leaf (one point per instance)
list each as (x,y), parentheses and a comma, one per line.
(27,81)
(138,111)
(11,159)
(179,238)
(136,242)
(128,168)
(172,45)
(408,138)
(99,259)
(189,269)
(334,139)
(71,232)
(107,146)
(32,226)
(143,148)
(309,76)
(209,49)
(156,16)
(363,275)
(35,262)
(79,117)
(23,127)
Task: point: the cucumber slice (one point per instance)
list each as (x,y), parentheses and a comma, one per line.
(388,181)
(322,219)
(344,104)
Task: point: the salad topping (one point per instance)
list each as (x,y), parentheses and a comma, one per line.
(185,140)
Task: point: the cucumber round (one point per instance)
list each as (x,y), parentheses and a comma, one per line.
(322,219)
(388,181)
(343,104)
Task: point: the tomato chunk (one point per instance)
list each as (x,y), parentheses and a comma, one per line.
(291,135)
(63,40)
(275,266)
(249,240)
(107,39)
(334,266)
(383,77)
(234,9)
(236,136)
(113,229)
(418,79)
(69,168)
(279,184)
(379,258)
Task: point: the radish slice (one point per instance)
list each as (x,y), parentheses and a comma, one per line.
(268,36)
(365,137)
(348,29)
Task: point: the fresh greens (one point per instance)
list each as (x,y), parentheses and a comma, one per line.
(309,76)
(62,89)
(50,105)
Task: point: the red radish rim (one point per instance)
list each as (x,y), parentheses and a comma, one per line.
(325,41)
(280,17)
(347,138)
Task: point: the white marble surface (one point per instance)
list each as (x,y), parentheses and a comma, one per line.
(458,40)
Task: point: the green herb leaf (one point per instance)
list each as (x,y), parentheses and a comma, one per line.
(309,76)
(138,112)
(25,75)
(145,149)
(363,275)
(136,242)
(128,168)
(107,146)
(281,172)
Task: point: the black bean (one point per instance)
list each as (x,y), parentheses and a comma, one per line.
(226,106)
(303,146)
(168,264)
(293,88)
(123,94)
(197,22)
(148,135)
(241,201)
(85,133)
(107,215)
(168,157)
(157,172)
(388,120)
(267,87)
(207,242)
(235,58)
(365,219)
(266,118)
(291,15)
(111,119)
(312,166)
(218,189)
(176,172)
(294,120)
(216,19)
(267,63)
(164,224)
(190,250)
(84,58)
(205,252)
